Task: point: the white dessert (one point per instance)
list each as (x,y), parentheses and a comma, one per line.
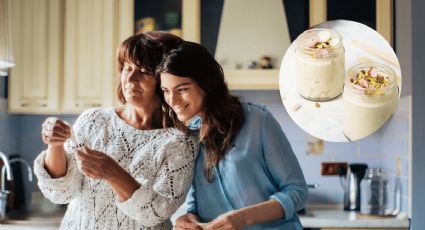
(320,64)
(370,98)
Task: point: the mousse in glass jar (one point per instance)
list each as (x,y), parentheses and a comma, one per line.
(320,64)
(369,99)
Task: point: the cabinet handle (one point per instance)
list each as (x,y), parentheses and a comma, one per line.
(34,104)
(87,105)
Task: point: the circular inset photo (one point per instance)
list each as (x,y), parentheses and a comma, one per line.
(340,81)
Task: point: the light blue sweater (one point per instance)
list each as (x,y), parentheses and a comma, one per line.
(258,167)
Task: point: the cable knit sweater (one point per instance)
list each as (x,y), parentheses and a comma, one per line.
(161,160)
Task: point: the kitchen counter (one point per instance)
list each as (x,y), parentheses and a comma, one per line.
(24,220)
(316,217)
(333,217)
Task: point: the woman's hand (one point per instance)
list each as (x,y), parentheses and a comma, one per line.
(188,221)
(55,132)
(232,220)
(96,165)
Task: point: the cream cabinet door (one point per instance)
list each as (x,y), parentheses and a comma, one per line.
(90,42)
(34,82)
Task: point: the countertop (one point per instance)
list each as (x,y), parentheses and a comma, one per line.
(336,217)
(33,220)
(316,217)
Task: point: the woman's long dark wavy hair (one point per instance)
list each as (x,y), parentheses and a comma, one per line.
(224,114)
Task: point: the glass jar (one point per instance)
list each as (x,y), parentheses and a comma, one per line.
(320,64)
(374,192)
(366,107)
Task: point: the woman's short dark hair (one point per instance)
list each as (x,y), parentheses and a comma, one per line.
(145,50)
(224,114)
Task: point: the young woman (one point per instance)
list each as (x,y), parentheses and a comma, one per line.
(246,174)
(132,172)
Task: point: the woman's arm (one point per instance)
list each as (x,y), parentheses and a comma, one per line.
(262,212)
(55,161)
(123,184)
(98,165)
(55,133)
(283,167)
(146,200)
(55,168)
(286,173)
(190,220)
(239,219)
(162,193)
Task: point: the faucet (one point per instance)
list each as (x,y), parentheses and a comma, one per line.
(4,194)
(7,166)
(29,170)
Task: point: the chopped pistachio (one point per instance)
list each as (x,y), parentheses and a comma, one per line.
(371,81)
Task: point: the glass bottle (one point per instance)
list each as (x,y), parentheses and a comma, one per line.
(374,192)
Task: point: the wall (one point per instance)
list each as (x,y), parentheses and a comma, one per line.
(418,113)
(395,142)
(9,124)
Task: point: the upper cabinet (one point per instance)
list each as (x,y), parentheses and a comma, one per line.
(377,14)
(34,82)
(65,50)
(180,17)
(65,54)
(90,43)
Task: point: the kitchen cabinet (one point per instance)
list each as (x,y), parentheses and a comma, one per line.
(188,14)
(376,14)
(65,54)
(37,39)
(90,43)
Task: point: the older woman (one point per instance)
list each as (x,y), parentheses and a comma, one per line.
(246,175)
(132,173)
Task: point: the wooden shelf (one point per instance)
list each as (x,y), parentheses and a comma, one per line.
(252,79)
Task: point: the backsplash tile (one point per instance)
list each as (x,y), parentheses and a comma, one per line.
(370,145)
(9,130)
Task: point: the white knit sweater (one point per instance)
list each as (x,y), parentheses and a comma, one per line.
(161,160)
